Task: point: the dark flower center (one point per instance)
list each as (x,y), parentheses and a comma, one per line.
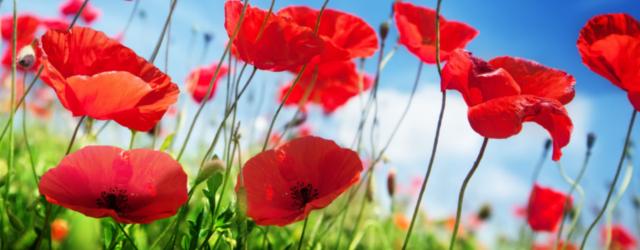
(302,193)
(114,198)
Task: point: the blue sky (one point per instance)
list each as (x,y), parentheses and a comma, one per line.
(541,30)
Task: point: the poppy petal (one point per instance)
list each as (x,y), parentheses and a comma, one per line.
(537,79)
(346,36)
(137,186)
(476,79)
(108,93)
(546,207)
(503,117)
(416,26)
(280,46)
(606,46)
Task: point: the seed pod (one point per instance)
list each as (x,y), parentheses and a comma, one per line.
(209,168)
(26,57)
(485,212)
(242,200)
(391,183)
(547,144)
(591,139)
(384,30)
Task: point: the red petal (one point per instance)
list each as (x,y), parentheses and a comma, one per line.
(27,27)
(198,81)
(335,84)
(270,177)
(546,207)
(537,79)
(621,238)
(154,184)
(281,45)
(347,36)
(102,95)
(503,117)
(606,46)
(476,79)
(416,26)
(87,52)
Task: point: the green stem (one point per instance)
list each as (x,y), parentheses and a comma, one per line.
(215,76)
(436,139)
(462,190)
(126,235)
(131,16)
(167,21)
(613,184)
(133,138)
(626,180)
(304,229)
(75,18)
(575,184)
(25,134)
(12,145)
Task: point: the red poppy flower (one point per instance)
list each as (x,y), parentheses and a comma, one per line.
(71,7)
(506,91)
(284,184)
(96,76)
(621,239)
(27,27)
(416,26)
(198,81)
(335,83)
(610,46)
(346,36)
(545,208)
(135,186)
(280,46)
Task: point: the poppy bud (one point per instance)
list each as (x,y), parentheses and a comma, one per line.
(242,200)
(636,202)
(485,212)
(391,182)
(547,144)
(208,37)
(26,57)
(209,168)
(59,230)
(591,139)
(384,30)
(369,192)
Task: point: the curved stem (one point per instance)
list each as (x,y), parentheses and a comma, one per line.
(462,190)
(613,184)
(575,184)
(167,22)
(211,83)
(126,235)
(304,229)
(436,139)
(626,180)
(25,136)
(293,85)
(130,19)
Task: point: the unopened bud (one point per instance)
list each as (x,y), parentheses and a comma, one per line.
(208,37)
(636,202)
(485,212)
(242,200)
(369,192)
(209,168)
(26,57)
(384,29)
(591,139)
(391,183)
(547,144)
